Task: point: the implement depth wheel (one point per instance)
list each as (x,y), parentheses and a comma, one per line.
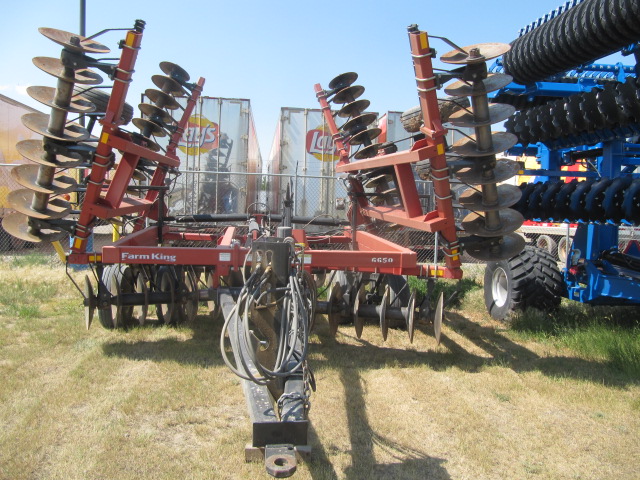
(529,279)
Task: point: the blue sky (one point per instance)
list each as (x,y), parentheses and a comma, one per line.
(269,52)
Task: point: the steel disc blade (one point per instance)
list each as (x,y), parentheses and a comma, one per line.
(497,249)
(384,321)
(147,127)
(168,85)
(365,136)
(410,316)
(46,95)
(368,151)
(437,318)
(146,142)
(485,52)
(359,122)
(333,309)
(174,71)
(90,302)
(343,80)
(27,176)
(34,150)
(510,221)
(472,199)
(39,122)
(354,108)
(17,225)
(161,99)
(348,94)
(54,67)
(493,82)
(498,112)
(504,170)
(501,141)
(377,180)
(21,200)
(73,42)
(154,112)
(358,320)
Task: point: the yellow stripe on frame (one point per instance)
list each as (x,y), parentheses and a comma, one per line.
(440,149)
(130,39)
(104,138)
(424,41)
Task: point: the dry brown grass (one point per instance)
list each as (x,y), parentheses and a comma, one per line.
(158,403)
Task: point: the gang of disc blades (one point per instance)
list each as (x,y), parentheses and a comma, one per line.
(149,127)
(33,150)
(17,225)
(27,176)
(46,95)
(364,136)
(508,195)
(354,108)
(508,246)
(84,45)
(475,224)
(39,123)
(493,82)
(54,67)
(360,121)
(487,51)
(168,85)
(501,141)
(153,112)
(437,318)
(174,71)
(343,80)
(21,200)
(90,300)
(348,94)
(368,152)
(504,170)
(161,99)
(498,112)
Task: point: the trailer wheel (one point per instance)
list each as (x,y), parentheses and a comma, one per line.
(529,279)
(545,242)
(563,249)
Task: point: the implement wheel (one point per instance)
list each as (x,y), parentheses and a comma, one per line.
(529,279)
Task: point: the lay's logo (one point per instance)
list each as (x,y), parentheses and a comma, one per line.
(319,144)
(200,136)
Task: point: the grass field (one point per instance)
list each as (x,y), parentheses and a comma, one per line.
(547,398)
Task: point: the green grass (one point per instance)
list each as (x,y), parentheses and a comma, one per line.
(31,260)
(609,334)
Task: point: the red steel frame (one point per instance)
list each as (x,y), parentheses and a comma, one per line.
(370,253)
(111,203)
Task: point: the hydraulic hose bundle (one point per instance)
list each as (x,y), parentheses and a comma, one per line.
(281,349)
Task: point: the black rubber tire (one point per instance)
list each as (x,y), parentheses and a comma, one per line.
(412,119)
(584,33)
(529,279)
(546,243)
(101,99)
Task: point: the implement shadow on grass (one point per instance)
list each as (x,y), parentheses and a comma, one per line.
(508,353)
(202,349)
